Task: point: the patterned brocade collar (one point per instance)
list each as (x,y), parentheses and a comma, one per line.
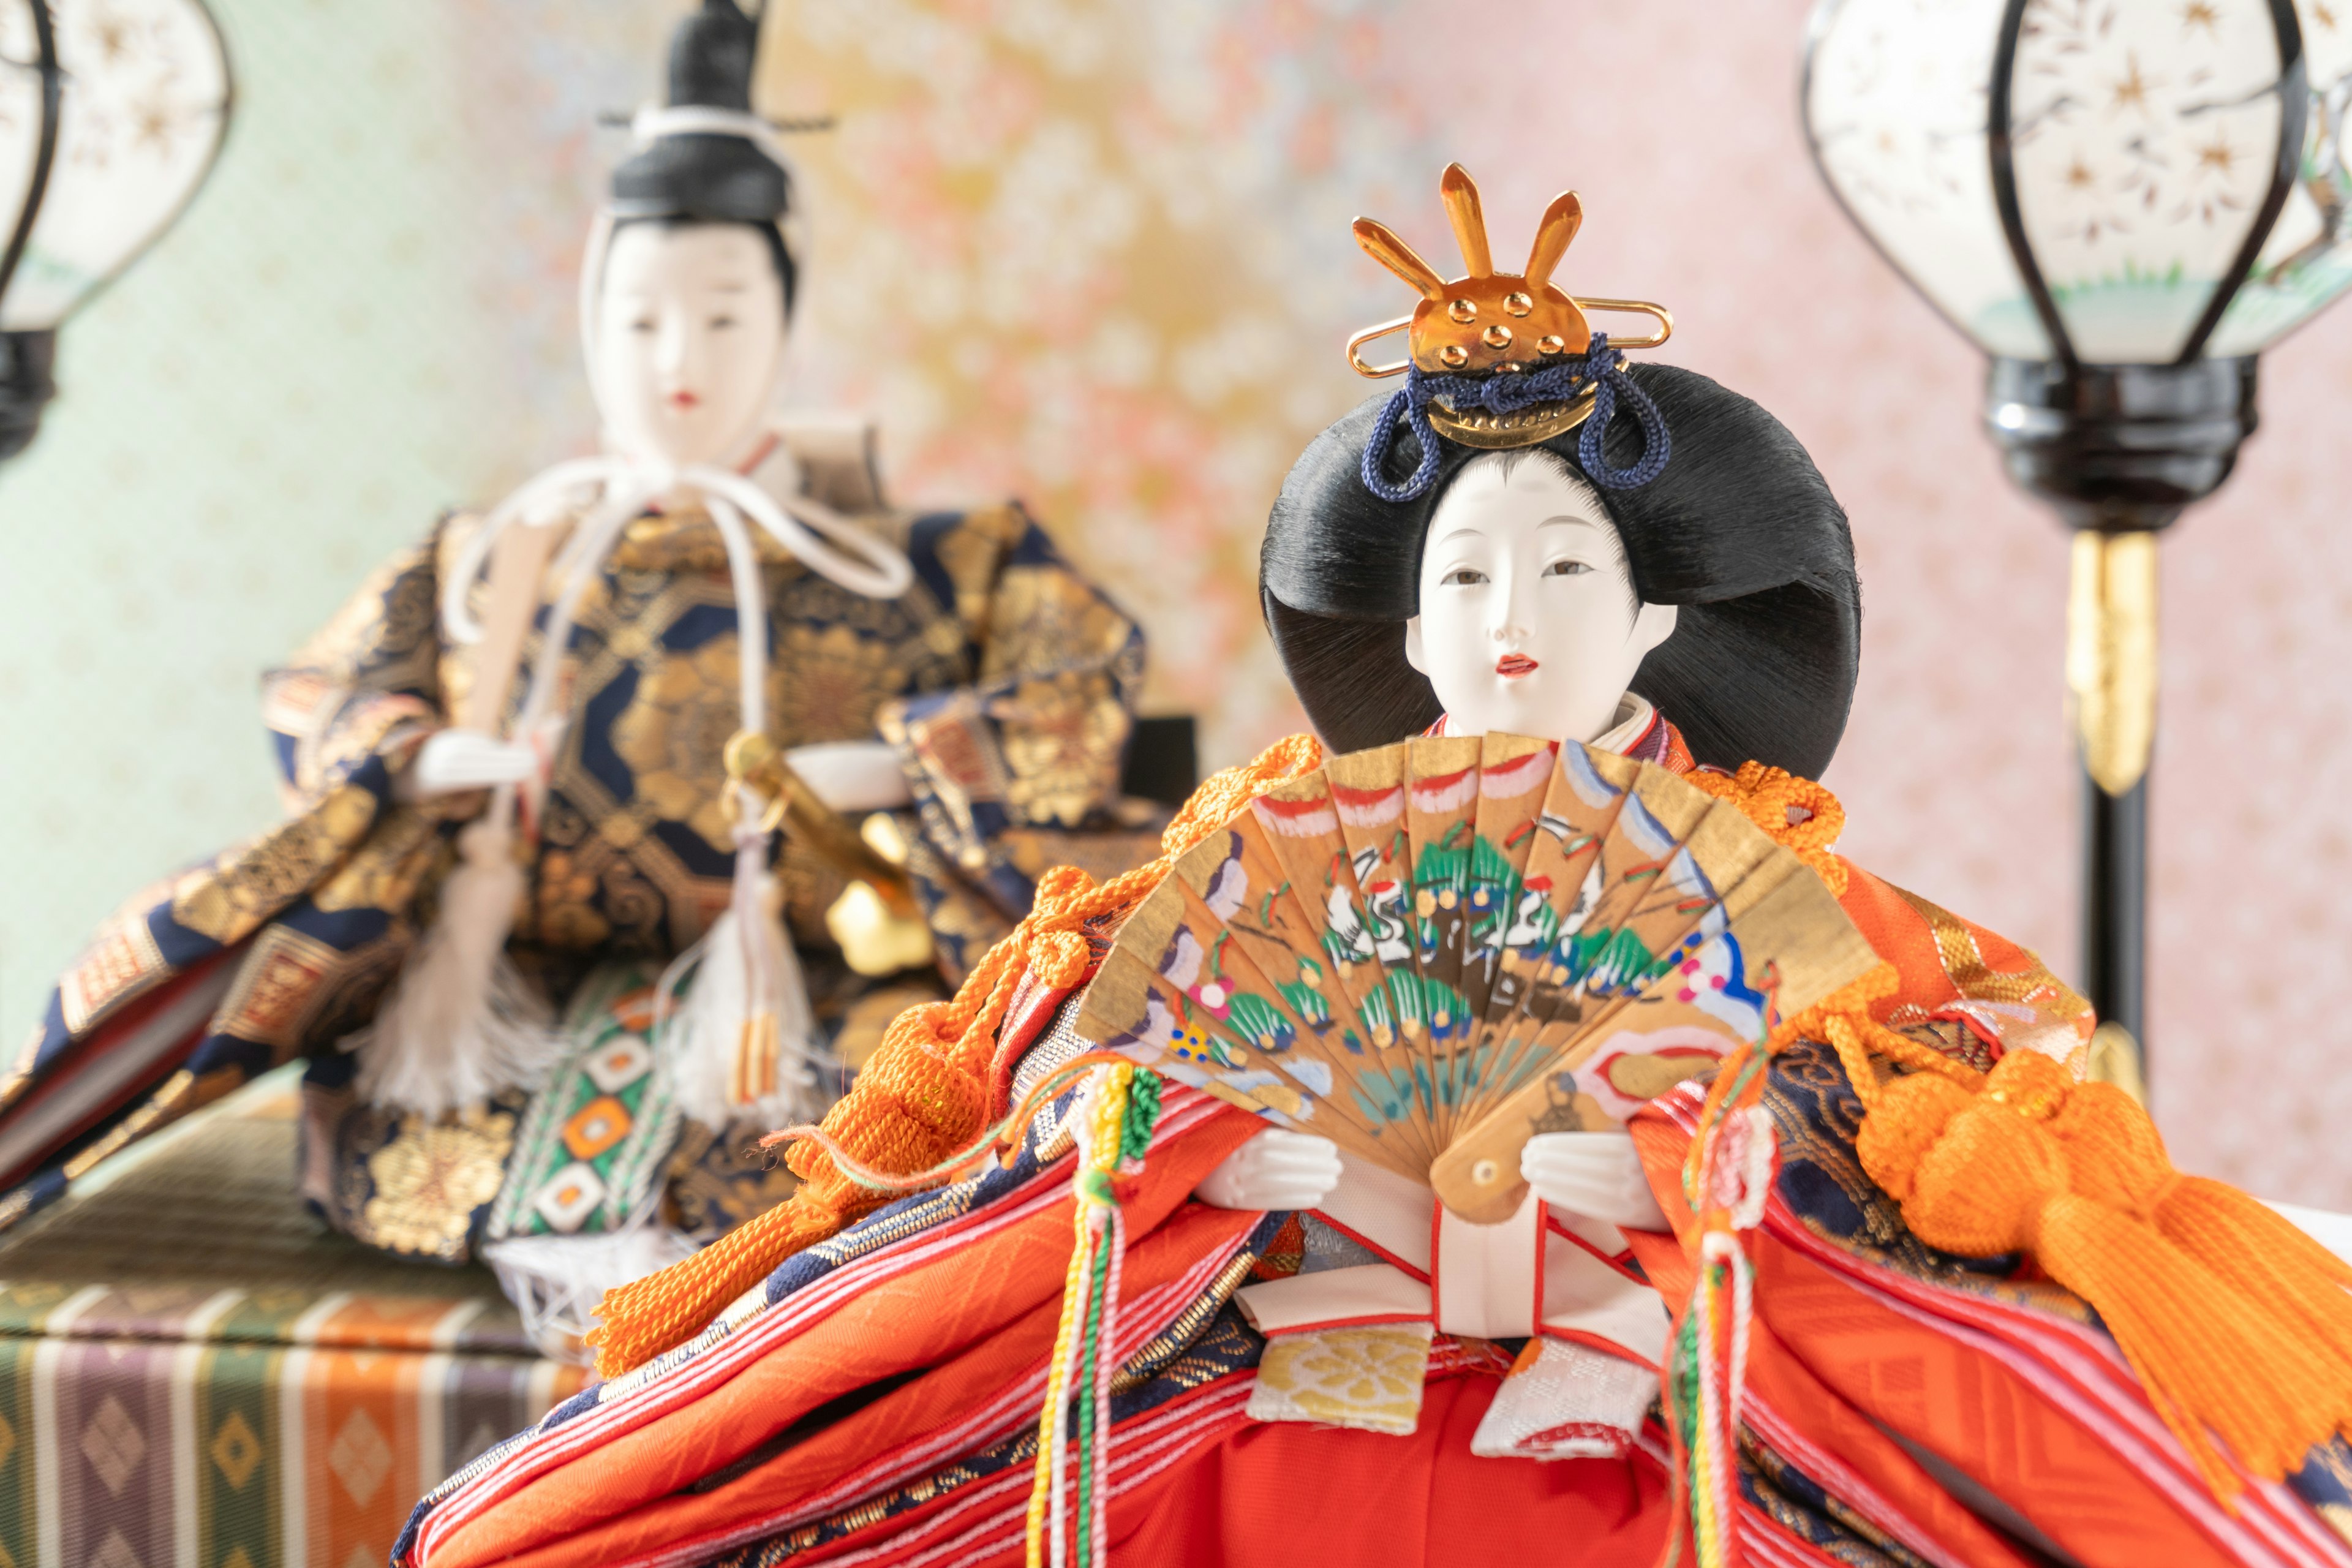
(1640,733)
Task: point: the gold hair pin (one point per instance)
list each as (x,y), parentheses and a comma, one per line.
(1494,323)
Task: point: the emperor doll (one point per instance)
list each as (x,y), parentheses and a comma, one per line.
(564,903)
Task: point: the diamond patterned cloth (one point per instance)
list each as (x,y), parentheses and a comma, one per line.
(194,1369)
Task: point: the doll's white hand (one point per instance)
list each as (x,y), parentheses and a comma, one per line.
(454,760)
(1596,1174)
(852,775)
(1275,1169)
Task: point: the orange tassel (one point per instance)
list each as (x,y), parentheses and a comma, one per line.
(2235,1322)
(2123,1163)
(2303,1283)
(2219,1316)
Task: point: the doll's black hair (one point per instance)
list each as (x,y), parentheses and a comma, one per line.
(778,251)
(1739,530)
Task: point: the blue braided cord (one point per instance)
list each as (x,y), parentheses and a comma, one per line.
(1410,403)
(1600,366)
(1555,383)
(1613,385)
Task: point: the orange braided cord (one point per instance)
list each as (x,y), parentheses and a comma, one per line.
(923,1099)
(2233,1320)
(1799,814)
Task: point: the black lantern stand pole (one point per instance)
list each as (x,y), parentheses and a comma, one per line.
(2120,451)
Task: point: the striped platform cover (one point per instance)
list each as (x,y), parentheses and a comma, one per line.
(194,1370)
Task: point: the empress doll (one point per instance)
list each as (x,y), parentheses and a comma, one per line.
(541,757)
(1931,1297)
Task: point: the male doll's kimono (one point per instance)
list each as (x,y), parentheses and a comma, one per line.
(1004,681)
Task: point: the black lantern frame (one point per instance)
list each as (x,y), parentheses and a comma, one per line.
(28,355)
(26,358)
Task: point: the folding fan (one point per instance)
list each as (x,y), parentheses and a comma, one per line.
(1432,952)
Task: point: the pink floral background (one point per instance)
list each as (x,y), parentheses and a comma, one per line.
(1096,255)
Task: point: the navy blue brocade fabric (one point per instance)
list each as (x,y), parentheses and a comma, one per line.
(1817,1117)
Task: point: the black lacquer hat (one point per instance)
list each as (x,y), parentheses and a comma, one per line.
(705,156)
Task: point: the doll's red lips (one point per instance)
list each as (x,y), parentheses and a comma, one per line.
(684,399)
(1512,666)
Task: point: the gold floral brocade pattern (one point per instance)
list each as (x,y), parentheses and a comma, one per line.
(1064,737)
(1042,618)
(625,851)
(972,555)
(430,1178)
(1365,1378)
(686,540)
(228,899)
(672,735)
(660,646)
(828,682)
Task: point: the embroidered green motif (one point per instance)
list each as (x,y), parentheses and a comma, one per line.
(591,1149)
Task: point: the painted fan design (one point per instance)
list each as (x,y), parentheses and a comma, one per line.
(1431,951)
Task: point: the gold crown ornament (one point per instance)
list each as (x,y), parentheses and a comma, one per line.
(1491,325)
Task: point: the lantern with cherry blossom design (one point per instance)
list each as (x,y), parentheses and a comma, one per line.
(112,113)
(2123,203)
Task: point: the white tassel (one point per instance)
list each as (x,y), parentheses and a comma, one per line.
(461,1022)
(556,1281)
(745,1041)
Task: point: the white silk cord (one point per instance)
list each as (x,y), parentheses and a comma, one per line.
(752,630)
(885,573)
(751,1070)
(652,121)
(579,473)
(865,565)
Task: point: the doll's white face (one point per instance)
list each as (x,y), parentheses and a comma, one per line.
(1529,621)
(690,337)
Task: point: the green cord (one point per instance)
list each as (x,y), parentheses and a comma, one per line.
(1142,1115)
(1134,1140)
(1098,1301)
(1686,1382)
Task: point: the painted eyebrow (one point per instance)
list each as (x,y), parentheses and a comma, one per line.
(1448,537)
(1569,519)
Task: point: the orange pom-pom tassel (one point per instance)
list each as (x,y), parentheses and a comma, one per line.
(2227,1325)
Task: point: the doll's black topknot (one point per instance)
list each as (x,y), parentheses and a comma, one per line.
(1739,530)
(710,177)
